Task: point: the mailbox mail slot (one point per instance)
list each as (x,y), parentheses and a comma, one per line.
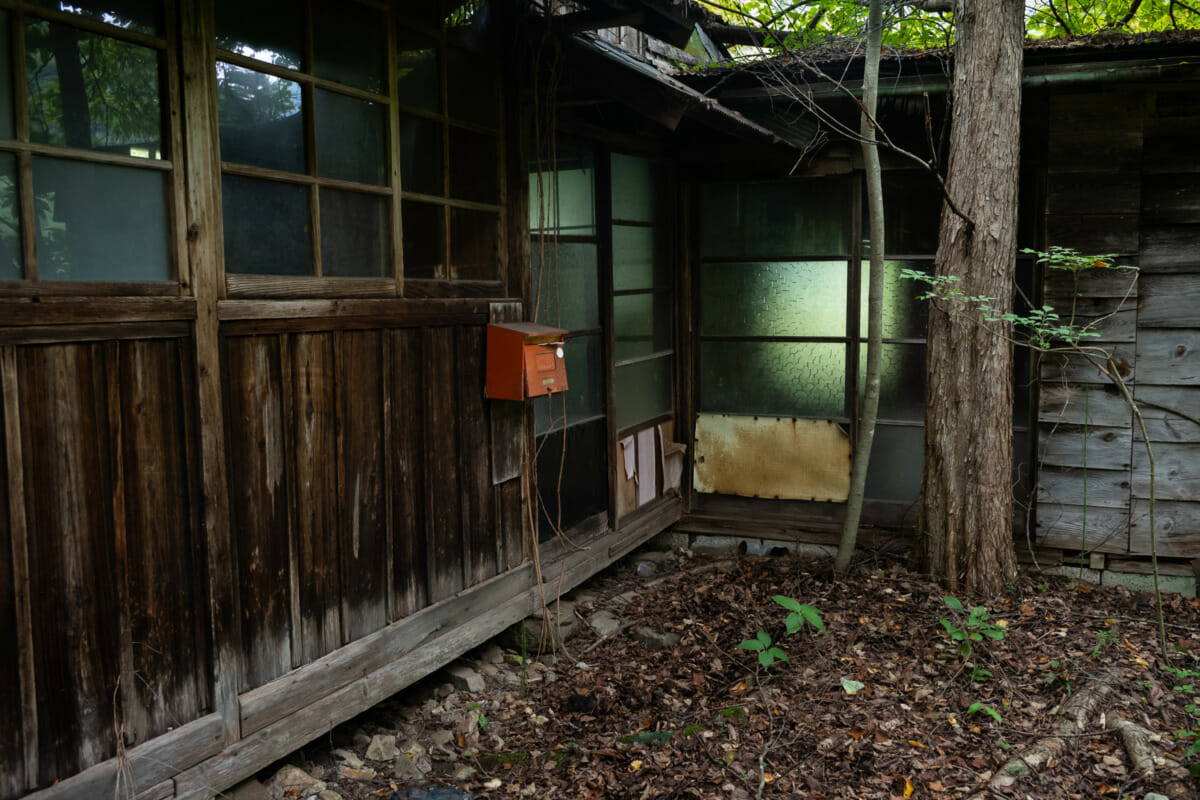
(524,360)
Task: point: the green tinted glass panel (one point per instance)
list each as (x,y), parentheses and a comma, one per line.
(565,284)
(97,222)
(643,390)
(641,258)
(781,219)
(420,155)
(424,239)
(584,398)
(636,188)
(894,472)
(417,70)
(10,226)
(91,92)
(350,45)
(564,198)
(904,316)
(135,15)
(6,97)
(356,234)
(266,30)
(902,381)
(641,324)
(265,223)
(912,208)
(260,119)
(351,138)
(776,298)
(804,379)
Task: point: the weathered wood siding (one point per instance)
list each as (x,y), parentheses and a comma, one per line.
(1124,178)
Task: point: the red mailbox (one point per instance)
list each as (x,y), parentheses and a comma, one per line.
(524,360)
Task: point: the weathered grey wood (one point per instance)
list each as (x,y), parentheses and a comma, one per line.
(478,514)
(1088,529)
(1170,248)
(147,765)
(1091,447)
(506,417)
(1176,471)
(1176,527)
(1104,488)
(1143,566)
(1168,357)
(1170,301)
(93,311)
(1058,368)
(1093,193)
(1112,282)
(1095,233)
(307,285)
(1162,425)
(382,313)
(1114,320)
(1171,143)
(53,334)
(1078,404)
(1171,199)
(406,449)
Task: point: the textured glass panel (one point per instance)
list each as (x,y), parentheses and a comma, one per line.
(91,92)
(643,390)
(641,258)
(350,45)
(636,187)
(10,225)
(781,219)
(584,397)
(564,198)
(417,70)
(565,286)
(267,30)
(474,244)
(778,298)
(474,166)
(420,155)
(912,208)
(97,222)
(260,119)
(356,234)
(902,381)
(266,227)
(472,87)
(135,15)
(641,324)
(805,379)
(894,472)
(6,97)
(351,138)
(904,316)
(424,240)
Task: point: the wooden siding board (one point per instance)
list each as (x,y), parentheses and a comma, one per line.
(1088,529)
(1073,368)
(1157,405)
(171,687)
(1176,528)
(1093,447)
(1171,142)
(445,550)
(258,505)
(363,523)
(473,438)
(1094,233)
(1100,488)
(1169,301)
(1173,198)
(68,498)
(17,713)
(512,513)
(1093,193)
(1176,471)
(1078,404)
(407,472)
(312,435)
(506,418)
(1168,357)
(1170,248)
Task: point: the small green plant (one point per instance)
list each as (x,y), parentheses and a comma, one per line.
(481,718)
(799,615)
(991,712)
(1103,640)
(1185,684)
(968,630)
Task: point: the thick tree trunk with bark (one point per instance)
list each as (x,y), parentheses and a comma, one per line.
(967,486)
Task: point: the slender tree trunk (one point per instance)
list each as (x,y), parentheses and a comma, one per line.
(967,487)
(870,401)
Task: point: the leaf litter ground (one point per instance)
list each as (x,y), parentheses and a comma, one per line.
(612,718)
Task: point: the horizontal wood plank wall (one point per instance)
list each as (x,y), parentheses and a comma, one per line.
(1085,432)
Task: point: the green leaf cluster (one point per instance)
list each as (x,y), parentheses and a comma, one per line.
(799,614)
(968,629)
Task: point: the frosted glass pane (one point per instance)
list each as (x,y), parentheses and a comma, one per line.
(91,92)
(565,285)
(6,98)
(641,324)
(266,227)
(894,472)
(356,234)
(777,298)
(585,393)
(902,381)
(643,390)
(351,138)
(641,258)
(100,223)
(10,226)
(805,379)
(564,199)
(904,316)
(260,119)
(780,219)
(268,30)
(636,187)
(350,45)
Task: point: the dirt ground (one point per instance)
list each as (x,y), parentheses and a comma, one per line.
(882,704)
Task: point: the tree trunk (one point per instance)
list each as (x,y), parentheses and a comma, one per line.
(967,486)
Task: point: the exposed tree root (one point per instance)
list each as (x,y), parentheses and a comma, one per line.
(1136,740)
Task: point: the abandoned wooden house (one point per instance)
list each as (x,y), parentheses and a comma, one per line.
(251,479)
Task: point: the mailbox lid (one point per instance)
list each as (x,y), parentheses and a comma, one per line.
(545,368)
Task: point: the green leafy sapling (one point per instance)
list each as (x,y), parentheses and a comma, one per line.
(969,629)
(799,614)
